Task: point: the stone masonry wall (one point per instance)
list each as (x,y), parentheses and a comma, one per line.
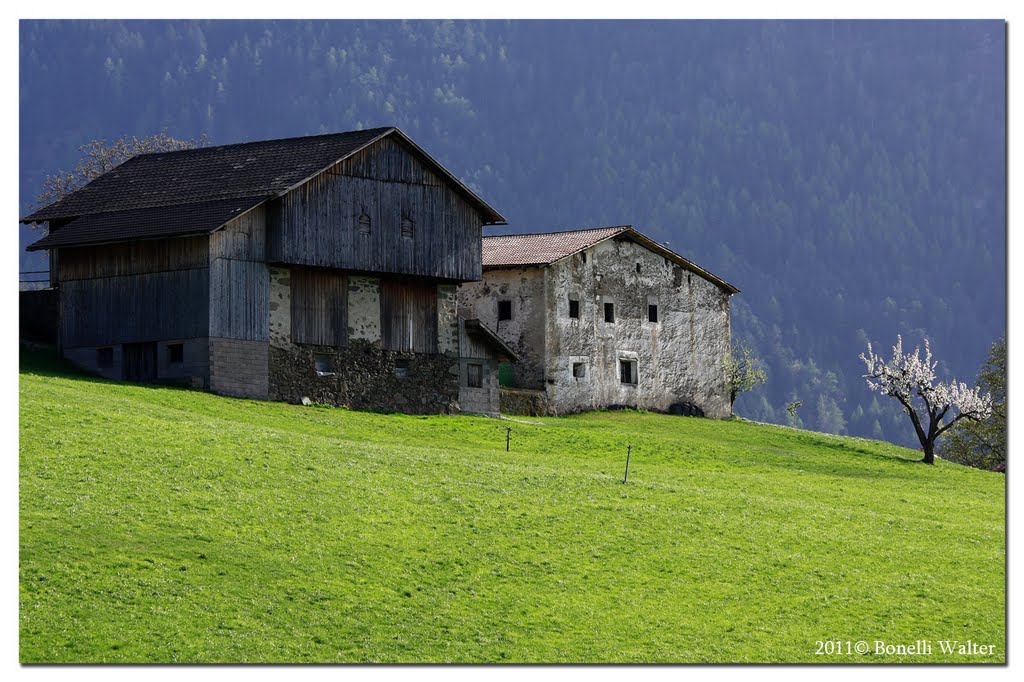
(525,402)
(280,306)
(486,398)
(365,377)
(364,308)
(525,332)
(447,319)
(362,375)
(239,368)
(678,358)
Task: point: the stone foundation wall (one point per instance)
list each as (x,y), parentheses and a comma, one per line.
(239,368)
(486,398)
(363,376)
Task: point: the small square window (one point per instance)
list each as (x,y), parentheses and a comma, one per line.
(504,310)
(175,353)
(627,371)
(104,358)
(579,370)
(652,313)
(322,363)
(403,368)
(474,375)
(574,309)
(609,312)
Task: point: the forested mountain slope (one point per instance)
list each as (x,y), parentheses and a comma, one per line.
(849,177)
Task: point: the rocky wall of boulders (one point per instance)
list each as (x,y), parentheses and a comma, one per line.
(364,376)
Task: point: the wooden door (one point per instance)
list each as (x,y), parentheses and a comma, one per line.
(138,361)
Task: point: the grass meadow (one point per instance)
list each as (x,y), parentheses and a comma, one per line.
(171,525)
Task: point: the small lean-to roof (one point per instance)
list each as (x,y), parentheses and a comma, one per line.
(544,248)
(146,223)
(480,330)
(201,182)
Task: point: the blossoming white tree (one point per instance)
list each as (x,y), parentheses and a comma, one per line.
(910,379)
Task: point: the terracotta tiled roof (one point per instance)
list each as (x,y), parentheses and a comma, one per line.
(544,248)
(532,250)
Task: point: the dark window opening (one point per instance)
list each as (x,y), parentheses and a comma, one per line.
(574,309)
(403,368)
(652,313)
(627,371)
(609,312)
(175,353)
(504,310)
(474,375)
(407,227)
(584,257)
(638,268)
(579,370)
(364,224)
(104,358)
(322,363)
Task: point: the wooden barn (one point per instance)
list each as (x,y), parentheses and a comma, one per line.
(319,267)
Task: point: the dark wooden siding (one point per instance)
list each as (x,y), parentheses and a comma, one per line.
(239,279)
(116,260)
(144,291)
(318,223)
(408,315)
(144,307)
(319,307)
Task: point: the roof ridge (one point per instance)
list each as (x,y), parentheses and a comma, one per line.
(551,232)
(378,130)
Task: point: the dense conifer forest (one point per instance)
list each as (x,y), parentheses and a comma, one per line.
(848,177)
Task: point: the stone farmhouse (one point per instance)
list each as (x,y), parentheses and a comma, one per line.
(604,317)
(321,267)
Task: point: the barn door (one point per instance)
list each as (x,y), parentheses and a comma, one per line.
(138,361)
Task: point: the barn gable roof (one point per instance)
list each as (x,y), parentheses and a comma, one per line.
(201,182)
(544,248)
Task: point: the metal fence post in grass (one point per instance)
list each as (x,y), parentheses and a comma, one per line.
(629,449)
(508,437)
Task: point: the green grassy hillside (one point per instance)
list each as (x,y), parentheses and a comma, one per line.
(160,524)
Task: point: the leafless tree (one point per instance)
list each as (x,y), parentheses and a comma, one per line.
(100,156)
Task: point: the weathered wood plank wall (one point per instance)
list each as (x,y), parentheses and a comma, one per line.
(142,307)
(408,315)
(133,258)
(143,291)
(319,223)
(471,346)
(239,279)
(319,307)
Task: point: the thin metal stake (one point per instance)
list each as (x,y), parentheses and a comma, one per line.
(628,450)
(508,437)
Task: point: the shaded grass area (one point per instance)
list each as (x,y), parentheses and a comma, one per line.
(169,525)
